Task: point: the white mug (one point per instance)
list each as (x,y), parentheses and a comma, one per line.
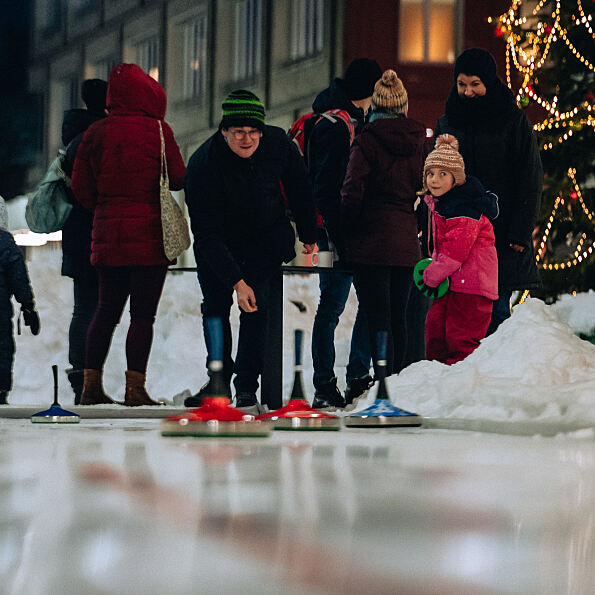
(323,259)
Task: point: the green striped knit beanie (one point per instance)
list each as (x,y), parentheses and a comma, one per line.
(242,108)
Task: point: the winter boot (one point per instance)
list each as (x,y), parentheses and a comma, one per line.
(93,390)
(357,387)
(76,379)
(328,396)
(3,397)
(207,390)
(136,394)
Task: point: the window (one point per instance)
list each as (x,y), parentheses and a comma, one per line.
(103,67)
(53,16)
(248,39)
(307,27)
(147,56)
(70,92)
(83,6)
(427,30)
(195,57)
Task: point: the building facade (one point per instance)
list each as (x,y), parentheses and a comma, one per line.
(285,51)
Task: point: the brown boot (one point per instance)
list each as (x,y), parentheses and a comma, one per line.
(93,390)
(135,390)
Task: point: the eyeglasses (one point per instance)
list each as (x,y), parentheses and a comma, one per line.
(242,134)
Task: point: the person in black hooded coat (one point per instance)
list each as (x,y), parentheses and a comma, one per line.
(499,148)
(76,233)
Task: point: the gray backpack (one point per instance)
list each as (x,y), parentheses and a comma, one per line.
(49,205)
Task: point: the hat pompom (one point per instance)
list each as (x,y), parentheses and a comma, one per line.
(447,140)
(389,77)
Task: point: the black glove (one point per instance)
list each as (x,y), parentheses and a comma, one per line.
(431,292)
(31,318)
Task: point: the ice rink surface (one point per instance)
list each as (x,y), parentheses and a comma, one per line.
(111,506)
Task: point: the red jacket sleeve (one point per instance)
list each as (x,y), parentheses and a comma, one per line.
(453,248)
(175,164)
(83,182)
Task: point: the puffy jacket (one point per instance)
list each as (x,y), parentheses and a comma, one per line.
(499,148)
(14,279)
(328,156)
(116,171)
(378,221)
(236,207)
(464,248)
(76,233)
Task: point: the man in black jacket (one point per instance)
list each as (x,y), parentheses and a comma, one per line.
(76,234)
(328,155)
(241,231)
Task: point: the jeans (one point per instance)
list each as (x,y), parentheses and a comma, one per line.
(144,285)
(334,291)
(217,302)
(85,304)
(384,292)
(500,311)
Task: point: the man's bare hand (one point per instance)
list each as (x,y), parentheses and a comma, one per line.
(246,297)
(309,248)
(517,247)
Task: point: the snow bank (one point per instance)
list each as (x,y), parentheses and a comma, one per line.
(533,368)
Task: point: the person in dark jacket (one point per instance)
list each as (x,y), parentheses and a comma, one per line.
(76,234)
(328,155)
(14,281)
(378,219)
(464,252)
(116,175)
(241,231)
(499,148)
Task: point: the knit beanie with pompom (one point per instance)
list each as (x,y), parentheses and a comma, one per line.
(446,157)
(390,94)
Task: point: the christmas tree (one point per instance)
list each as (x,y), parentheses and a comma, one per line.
(550,65)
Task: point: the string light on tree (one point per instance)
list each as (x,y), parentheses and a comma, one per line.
(550,65)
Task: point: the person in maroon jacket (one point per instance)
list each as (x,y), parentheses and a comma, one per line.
(464,252)
(378,220)
(116,175)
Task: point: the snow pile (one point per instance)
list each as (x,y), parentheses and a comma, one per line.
(577,311)
(533,368)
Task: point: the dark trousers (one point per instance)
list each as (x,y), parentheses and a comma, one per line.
(455,325)
(144,285)
(500,311)
(217,302)
(383,293)
(85,304)
(6,353)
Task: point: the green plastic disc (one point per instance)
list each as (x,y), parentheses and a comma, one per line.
(418,279)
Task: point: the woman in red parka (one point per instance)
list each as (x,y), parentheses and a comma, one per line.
(378,217)
(116,175)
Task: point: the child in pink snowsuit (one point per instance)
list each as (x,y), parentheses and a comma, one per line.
(464,250)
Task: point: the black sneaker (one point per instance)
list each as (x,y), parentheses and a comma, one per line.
(328,396)
(245,399)
(357,387)
(205,391)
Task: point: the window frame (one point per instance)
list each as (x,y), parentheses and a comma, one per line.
(245,68)
(426,25)
(303,46)
(194,81)
(146,42)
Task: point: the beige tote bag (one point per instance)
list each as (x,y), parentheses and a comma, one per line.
(176,236)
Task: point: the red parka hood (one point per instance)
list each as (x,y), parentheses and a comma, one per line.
(130,90)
